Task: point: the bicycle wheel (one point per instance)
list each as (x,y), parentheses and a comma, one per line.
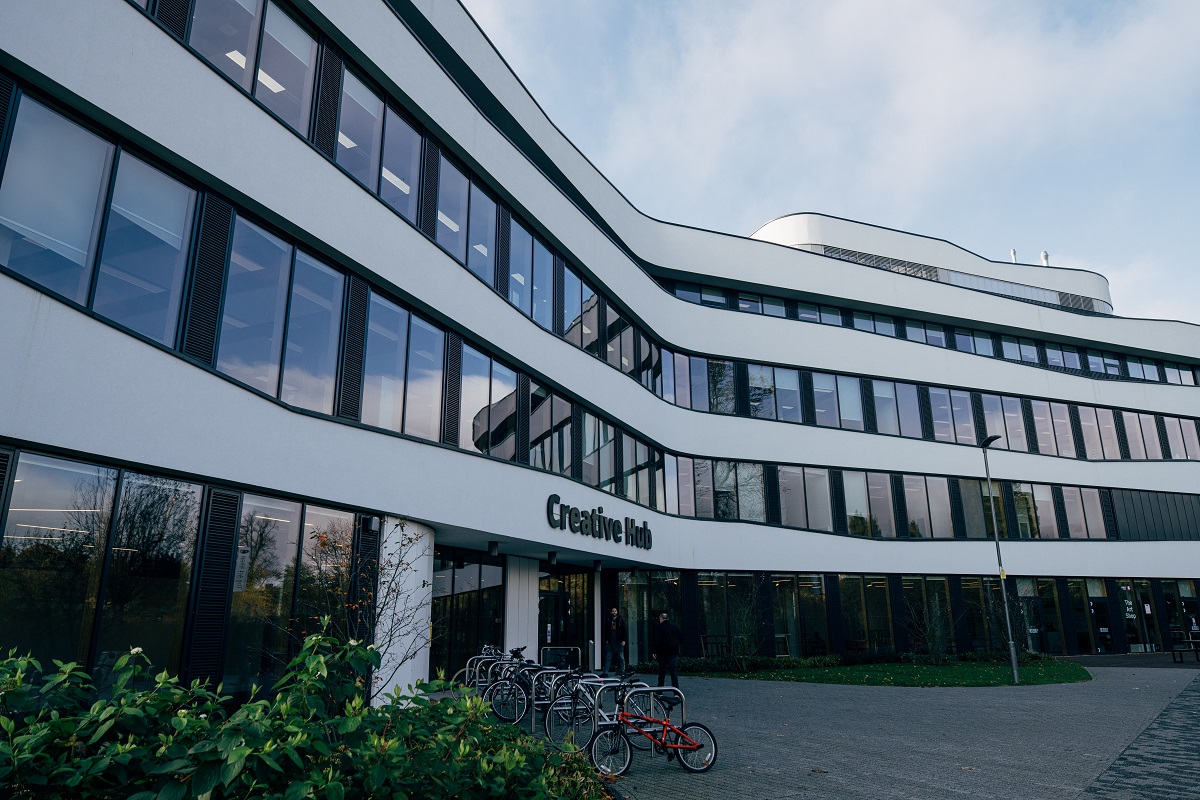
(509,700)
(569,720)
(458,683)
(646,706)
(611,752)
(699,759)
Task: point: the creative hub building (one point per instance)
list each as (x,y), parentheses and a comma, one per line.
(275,274)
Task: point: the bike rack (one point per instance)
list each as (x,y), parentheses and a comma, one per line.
(584,678)
(549,677)
(658,690)
(599,715)
(563,651)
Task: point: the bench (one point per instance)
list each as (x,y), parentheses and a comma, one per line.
(1186,646)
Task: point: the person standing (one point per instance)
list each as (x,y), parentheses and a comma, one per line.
(614,640)
(665,649)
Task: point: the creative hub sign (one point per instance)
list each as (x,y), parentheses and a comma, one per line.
(593,523)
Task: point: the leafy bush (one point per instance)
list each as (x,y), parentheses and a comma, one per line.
(729,664)
(316,737)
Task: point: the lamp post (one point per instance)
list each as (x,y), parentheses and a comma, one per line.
(1012,646)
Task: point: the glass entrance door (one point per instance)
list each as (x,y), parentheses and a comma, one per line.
(564,614)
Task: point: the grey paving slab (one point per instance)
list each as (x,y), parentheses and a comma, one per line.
(779,741)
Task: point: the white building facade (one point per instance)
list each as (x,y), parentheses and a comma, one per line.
(275,274)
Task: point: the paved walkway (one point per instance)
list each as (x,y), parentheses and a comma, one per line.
(1129,733)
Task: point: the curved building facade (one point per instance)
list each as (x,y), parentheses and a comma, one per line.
(274,275)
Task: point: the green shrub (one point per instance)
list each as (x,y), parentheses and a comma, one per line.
(316,737)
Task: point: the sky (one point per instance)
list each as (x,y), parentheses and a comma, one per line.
(1070,127)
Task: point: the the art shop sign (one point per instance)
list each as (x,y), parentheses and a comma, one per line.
(593,523)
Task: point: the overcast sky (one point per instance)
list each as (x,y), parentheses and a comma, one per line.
(1071,127)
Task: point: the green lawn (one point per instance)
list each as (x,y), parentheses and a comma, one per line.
(953,674)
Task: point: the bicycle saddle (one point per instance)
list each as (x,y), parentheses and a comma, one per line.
(669,701)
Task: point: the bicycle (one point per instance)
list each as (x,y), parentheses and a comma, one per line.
(693,744)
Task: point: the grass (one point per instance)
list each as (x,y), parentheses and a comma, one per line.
(902,674)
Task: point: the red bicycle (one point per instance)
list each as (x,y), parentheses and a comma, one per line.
(693,744)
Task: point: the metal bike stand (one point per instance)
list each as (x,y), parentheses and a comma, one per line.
(584,679)
(660,690)
(599,715)
(548,677)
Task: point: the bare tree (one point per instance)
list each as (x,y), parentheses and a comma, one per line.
(930,627)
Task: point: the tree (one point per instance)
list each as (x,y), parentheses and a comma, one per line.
(930,626)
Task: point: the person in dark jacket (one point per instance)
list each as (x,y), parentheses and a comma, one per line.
(664,648)
(615,635)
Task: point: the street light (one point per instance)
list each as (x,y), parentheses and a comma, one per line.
(1012,646)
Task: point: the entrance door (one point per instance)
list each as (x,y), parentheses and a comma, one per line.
(1103,625)
(564,614)
(553,610)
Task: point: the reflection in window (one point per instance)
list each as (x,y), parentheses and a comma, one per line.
(683,381)
(762,391)
(722,390)
(598,453)
(520,261)
(401,166)
(140,282)
(1014,424)
(883,518)
(324,582)
(750,303)
(886,418)
(226,33)
(252,316)
(774,307)
(51,556)
(816,491)
(1061,419)
(850,403)
(1027,522)
(1043,501)
(964,417)
(725,497)
(473,400)
(1073,503)
(751,501)
(426,346)
(314,324)
(940,523)
(826,400)
(791,497)
(668,376)
(50,198)
(858,512)
(918,507)
(572,308)
(549,430)
(699,383)
(543,286)
(286,68)
(1044,427)
(704,488)
(1091,433)
(360,128)
(149,573)
(787,394)
(1150,436)
(258,632)
(453,190)
(908,404)
(502,439)
(943,422)
(383,369)
(1094,513)
(687,487)
(481,254)
(1108,434)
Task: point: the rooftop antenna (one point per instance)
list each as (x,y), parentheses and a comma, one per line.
(1013,255)
(1045,259)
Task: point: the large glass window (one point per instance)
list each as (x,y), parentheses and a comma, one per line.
(722,388)
(687,487)
(226,33)
(725,495)
(887,420)
(1133,434)
(481,255)
(993,417)
(314,325)
(940,522)
(326,557)
(520,267)
(257,640)
(705,506)
(140,283)
(453,192)
(858,510)
(284,82)
(1043,500)
(543,286)
(426,347)
(909,406)
(762,391)
(1094,513)
(699,383)
(883,518)
(572,308)
(1073,503)
(1061,420)
(1044,427)
(53,187)
(918,507)
(1175,437)
(964,417)
(51,556)
(1108,434)
(825,400)
(256,290)
(383,370)
(598,453)
(473,400)
(751,501)
(1091,433)
(153,546)
(1150,436)
(502,441)
(613,327)
(683,381)
(787,394)
(791,497)
(1027,521)
(1190,439)
(1014,424)
(360,128)
(401,170)
(816,491)
(943,421)
(850,403)
(591,320)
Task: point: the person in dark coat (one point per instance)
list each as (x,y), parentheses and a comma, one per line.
(615,634)
(664,648)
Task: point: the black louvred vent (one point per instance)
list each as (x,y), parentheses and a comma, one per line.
(1163,441)
(366,577)
(790,309)
(453,391)
(173,15)
(771,494)
(901,328)
(430,168)
(870,423)
(837,496)
(577,441)
(1060,512)
(1122,434)
(522,418)
(981,432)
(503,247)
(741,388)
(350,382)
(203,319)
(7,90)
(807,402)
(900,502)
(951,339)
(1077,431)
(5,462)
(1110,516)
(618,449)
(958,517)
(560,298)
(329,94)
(926,409)
(1031,436)
(215,575)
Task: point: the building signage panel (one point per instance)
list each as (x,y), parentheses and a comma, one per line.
(593,523)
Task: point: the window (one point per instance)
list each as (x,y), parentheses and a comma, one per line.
(258,637)
(964,417)
(808,312)
(401,170)
(964,340)
(885,325)
(286,66)
(725,496)
(549,430)
(591,320)
(1071,357)
(883,518)
(543,286)
(918,507)
(831,315)
(704,487)
(426,348)
(256,292)
(326,553)
(54,184)
(599,453)
(993,417)
(816,490)
(699,381)
(683,381)
(910,410)
(1044,427)
(1054,356)
(1010,348)
(791,497)
(1043,501)
(1061,421)
(864,321)
(850,402)
(453,193)
(915,331)
(1133,435)
(762,391)
(983,344)
(750,303)
(712,296)
(520,267)
(934,335)
(671,484)
(825,400)
(1029,353)
(1134,366)
(1091,433)
(140,281)
(473,401)
(226,33)
(687,487)
(314,327)
(572,307)
(481,235)
(1190,439)
(940,523)
(787,394)
(1175,438)
(943,421)
(722,389)
(1073,503)
(1014,424)
(628,357)
(887,419)
(1027,521)
(360,127)
(688,292)
(858,512)
(1094,513)
(383,369)
(774,307)
(54,545)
